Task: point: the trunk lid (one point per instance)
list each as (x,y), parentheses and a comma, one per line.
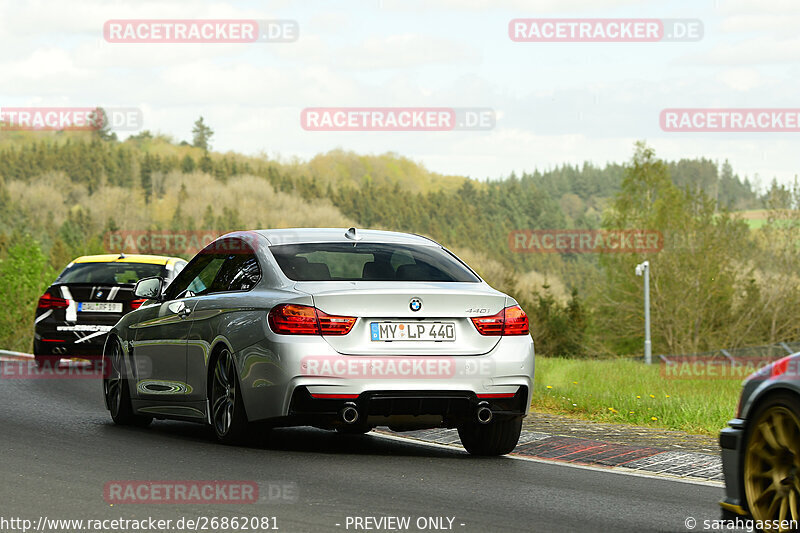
(386,304)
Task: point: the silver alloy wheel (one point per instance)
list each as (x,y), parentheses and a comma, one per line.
(112,383)
(223,395)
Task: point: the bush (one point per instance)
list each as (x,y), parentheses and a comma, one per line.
(25,273)
(557,329)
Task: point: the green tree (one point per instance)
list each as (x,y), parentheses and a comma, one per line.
(209,221)
(60,254)
(695,279)
(206,164)
(101,126)
(776,288)
(5,198)
(188,165)
(79,234)
(177,223)
(146,176)
(201,134)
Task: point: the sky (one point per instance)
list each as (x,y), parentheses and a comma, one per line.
(553,102)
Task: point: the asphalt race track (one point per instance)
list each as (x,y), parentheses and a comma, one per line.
(60,448)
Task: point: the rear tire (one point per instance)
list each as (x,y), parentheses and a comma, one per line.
(228,417)
(116,390)
(498,437)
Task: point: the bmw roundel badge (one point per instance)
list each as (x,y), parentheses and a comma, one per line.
(415,304)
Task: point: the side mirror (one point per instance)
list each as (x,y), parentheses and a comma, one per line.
(149,288)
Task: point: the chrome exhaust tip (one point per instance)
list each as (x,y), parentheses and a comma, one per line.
(484,413)
(349,413)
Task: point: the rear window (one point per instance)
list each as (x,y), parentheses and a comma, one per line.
(343,261)
(109,273)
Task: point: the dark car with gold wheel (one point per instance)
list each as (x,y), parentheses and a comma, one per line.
(761,449)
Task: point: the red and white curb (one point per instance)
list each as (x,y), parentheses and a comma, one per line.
(598,455)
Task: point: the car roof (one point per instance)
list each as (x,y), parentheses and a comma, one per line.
(307,235)
(128,258)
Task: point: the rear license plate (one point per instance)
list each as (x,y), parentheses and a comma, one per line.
(412,331)
(100,307)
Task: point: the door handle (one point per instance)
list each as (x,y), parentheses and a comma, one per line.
(180,309)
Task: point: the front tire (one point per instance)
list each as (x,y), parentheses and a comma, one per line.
(227,408)
(771,472)
(116,390)
(498,437)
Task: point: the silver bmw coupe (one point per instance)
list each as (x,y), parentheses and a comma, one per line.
(333,328)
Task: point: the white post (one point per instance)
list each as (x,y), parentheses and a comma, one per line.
(643,269)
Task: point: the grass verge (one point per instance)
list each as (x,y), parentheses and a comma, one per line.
(626,391)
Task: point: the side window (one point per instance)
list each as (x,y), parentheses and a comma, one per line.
(218,269)
(204,280)
(188,275)
(241,272)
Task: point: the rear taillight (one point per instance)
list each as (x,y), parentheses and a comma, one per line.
(288,319)
(48,301)
(516,322)
(489,325)
(292,319)
(136,304)
(335,325)
(510,321)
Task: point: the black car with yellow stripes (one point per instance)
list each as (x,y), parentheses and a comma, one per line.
(90,295)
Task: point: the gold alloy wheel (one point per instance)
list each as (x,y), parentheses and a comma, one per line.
(771,467)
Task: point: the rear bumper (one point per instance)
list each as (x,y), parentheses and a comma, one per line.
(66,347)
(276,378)
(404,409)
(731,440)
(79,341)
